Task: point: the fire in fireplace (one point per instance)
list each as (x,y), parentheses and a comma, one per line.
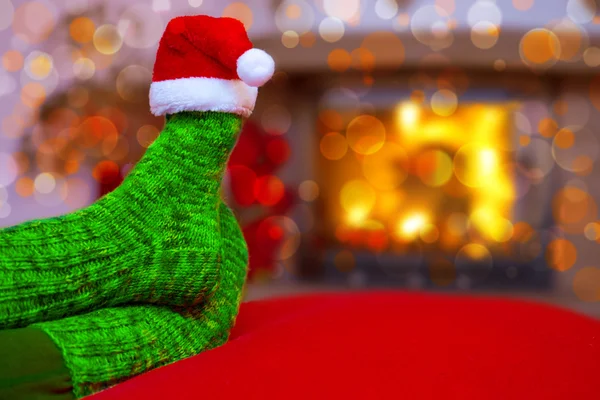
(436,176)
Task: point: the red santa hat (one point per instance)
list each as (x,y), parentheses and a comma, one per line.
(207,64)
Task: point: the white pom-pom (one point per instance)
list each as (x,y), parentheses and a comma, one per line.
(255,67)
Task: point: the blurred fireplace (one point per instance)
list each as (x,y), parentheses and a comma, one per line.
(419,193)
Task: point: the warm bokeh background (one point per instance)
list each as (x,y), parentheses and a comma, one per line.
(417,144)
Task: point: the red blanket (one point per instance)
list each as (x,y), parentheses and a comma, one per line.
(388,346)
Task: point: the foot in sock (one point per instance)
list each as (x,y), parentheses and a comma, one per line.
(111,345)
(155,239)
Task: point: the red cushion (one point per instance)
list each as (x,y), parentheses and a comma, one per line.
(388,345)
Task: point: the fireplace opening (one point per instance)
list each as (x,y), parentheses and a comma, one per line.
(423,191)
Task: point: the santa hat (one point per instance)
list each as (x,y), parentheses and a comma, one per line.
(207,64)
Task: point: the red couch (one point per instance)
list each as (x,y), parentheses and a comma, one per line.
(388,345)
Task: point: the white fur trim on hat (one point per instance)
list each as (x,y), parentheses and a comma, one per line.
(255,67)
(202,94)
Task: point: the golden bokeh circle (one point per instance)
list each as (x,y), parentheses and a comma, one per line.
(357,194)
(547,127)
(39,65)
(33,94)
(586,284)
(12,61)
(466,162)
(571,38)
(561,255)
(146,135)
(339,60)
(366,134)
(434,167)
(591,57)
(539,47)
(331,119)
(385,47)
(133,82)
(572,146)
(107,39)
(387,168)
(592,231)
(444,102)
(290,39)
(82,29)
(24,186)
(573,208)
(362,59)
(241,12)
(333,146)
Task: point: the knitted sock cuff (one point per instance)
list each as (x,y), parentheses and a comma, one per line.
(100,350)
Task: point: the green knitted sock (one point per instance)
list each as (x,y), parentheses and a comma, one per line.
(155,239)
(111,345)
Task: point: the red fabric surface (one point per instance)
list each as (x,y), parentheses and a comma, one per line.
(388,345)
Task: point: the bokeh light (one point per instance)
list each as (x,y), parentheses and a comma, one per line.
(12,61)
(38,65)
(430,25)
(581,11)
(280,229)
(592,231)
(331,29)
(573,209)
(268,190)
(132,83)
(444,102)
(365,134)
(387,168)
(571,144)
(308,190)
(339,60)
(295,15)
(484,35)
(241,12)
(276,120)
(8,169)
(33,22)
(385,48)
(434,167)
(82,29)
(523,5)
(586,284)
(333,146)
(290,39)
(6,16)
(84,68)
(357,195)
(561,254)
(140,27)
(107,39)
(540,47)
(346,10)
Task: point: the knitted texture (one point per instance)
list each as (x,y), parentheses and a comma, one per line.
(111,345)
(156,239)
